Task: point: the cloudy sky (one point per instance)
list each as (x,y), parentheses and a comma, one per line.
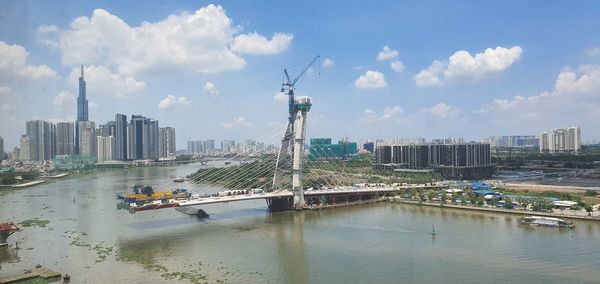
(388,69)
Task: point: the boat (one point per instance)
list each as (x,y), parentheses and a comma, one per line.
(545,221)
(433,230)
(227,163)
(179,179)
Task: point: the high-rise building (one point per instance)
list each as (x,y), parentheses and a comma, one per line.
(2,154)
(143,138)
(87,138)
(544,142)
(64,138)
(210,146)
(43,141)
(120,137)
(106,148)
(452,160)
(25,153)
(82,110)
(107,129)
(228,146)
(561,140)
(513,141)
(166,142)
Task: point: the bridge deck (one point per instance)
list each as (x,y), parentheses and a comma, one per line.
(286,193)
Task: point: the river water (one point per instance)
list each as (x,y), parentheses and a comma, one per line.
(242,242)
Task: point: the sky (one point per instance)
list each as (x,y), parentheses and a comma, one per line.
(387,69)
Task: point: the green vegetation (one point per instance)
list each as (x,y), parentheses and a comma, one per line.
(182,158)
(193,276)
(12,177)
(508,203)
(255,174)
(80,240)
(35,222)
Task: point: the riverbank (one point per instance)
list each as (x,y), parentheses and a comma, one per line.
(542,187)
(496,210)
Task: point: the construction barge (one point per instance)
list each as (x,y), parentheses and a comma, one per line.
(145,198)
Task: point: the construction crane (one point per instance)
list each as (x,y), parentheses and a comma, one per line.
(289,86)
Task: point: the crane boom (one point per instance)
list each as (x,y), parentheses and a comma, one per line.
(305,68)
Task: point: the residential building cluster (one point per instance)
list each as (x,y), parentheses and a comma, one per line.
(513,141)
(452,160)
(561,140)
(322,149)
(249,147)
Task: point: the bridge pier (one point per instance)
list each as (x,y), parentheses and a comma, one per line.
(276,204)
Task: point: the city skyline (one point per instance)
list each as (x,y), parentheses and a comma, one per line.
(376,79)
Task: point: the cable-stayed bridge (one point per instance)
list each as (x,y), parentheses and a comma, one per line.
(286,180)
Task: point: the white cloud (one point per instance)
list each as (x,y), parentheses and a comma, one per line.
(47,29)
(443,110)
(371,80)
(5,91)
(255,43)
(429,77)
(391,113)
(103,82)
(593,52)
(211,89)
(387,53)
(14,67)
(575,100)
(397,66)
(201,41)
(280,97)
(64,98)
(93,105)
(462,66)
(239,121)
(328,62)
(173,102)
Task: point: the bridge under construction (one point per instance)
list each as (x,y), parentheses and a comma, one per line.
(286,190)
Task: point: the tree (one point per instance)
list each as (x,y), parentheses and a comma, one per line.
(508,203)
(443,198)
(480,201)
(589,209)
(463,200)
(430,195)
(453,198)
(421,195)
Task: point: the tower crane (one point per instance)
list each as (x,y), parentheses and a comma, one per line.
(290,85)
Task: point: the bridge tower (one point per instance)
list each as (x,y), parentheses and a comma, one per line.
(292,144)
(302,107)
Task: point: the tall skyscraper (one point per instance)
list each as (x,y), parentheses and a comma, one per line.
(43,141)
(87,138)
(166,142)
(25,151)
(105,148)
(143,138)
(82,109)
(120,137)
(64,138)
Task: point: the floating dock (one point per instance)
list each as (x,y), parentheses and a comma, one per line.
(40,272)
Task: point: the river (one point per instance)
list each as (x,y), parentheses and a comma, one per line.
(88,238)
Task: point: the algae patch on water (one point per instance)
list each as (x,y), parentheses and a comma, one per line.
(80,240)
(35,222)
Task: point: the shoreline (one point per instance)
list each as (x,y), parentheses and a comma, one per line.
(498,210)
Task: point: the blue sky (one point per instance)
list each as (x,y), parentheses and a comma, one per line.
(463,69)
